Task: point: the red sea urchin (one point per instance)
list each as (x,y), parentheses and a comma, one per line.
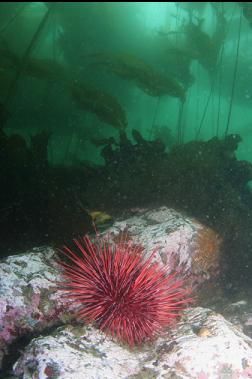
(123,293)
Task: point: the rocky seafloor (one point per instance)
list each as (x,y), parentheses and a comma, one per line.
(40,336)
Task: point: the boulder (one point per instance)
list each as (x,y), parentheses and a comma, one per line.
(203,345)
(30,302)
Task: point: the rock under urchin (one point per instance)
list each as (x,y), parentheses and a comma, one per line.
(125,294)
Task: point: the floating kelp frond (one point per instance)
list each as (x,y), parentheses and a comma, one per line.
(126,66)
(45,69)
(206,47)
(129,67)
(104,105)
(200,42)
(132,64)
(156,84)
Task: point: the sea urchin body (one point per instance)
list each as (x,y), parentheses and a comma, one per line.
(123,293)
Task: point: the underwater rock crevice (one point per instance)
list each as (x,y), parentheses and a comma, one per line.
(17,347)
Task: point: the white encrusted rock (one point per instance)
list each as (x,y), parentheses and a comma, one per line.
(29,302)
(202,346)
(76,352)
(181,243)
(206,346)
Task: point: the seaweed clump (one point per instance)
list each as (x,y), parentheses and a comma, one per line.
(202,178)
(88,98)
(205,48)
